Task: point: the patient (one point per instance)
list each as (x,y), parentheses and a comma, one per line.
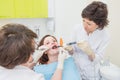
(48,62)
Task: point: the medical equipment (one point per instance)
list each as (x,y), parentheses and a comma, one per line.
(61,42)
(83,45)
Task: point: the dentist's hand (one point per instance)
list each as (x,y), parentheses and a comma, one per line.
(85,47)
(38,53)
(63,54)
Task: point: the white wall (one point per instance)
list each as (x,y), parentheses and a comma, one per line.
(113,50)
(34,24)
(68,13)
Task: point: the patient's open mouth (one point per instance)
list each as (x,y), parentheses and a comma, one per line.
(54,47)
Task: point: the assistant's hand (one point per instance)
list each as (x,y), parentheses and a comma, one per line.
(61,57)
(85,47)
(38,53)
(69,48)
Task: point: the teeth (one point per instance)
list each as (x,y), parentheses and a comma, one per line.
(54,47)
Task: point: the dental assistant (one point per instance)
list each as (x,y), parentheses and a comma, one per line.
(92,39)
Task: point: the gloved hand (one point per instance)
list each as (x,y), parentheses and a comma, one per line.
(84,46)
(61,57)
(67,47)
(64,51)
(38,53)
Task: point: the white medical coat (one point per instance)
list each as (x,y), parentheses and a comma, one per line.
(19,73)
(98,41)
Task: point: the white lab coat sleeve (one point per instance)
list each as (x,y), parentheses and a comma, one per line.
(100,51)
(39,77)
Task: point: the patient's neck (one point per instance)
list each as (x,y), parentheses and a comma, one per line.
(52,58)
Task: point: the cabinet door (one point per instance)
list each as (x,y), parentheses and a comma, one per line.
(40,8)
(6,9)
(23,8)
(31,8)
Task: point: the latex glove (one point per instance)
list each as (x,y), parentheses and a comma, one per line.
(61,57)
(67,47)
(65,51)
(84,46)
(38,53)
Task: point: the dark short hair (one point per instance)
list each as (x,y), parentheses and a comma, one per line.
(44,58)
(16,44)
(96,12)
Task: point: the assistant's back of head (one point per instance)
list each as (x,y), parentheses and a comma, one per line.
(16,44)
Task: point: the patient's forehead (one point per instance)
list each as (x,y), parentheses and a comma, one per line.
(49,39)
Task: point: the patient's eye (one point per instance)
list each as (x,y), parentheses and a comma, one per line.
(47,43)
(54,41)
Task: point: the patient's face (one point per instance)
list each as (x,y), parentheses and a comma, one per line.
(52,44)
